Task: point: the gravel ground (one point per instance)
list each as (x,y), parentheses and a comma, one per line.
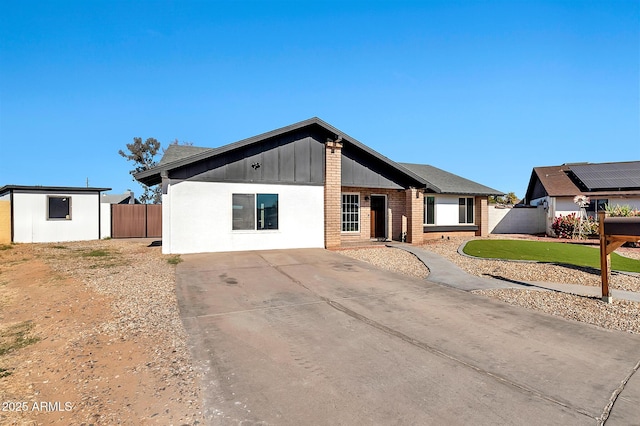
(390,259)
(141,283)
(619,315)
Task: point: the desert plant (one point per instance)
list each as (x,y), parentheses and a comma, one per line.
(621,211)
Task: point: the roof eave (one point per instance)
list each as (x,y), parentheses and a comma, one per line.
(153,175)
(8,188)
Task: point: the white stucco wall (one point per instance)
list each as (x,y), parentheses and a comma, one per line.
(31,224)
(446,210)
(631,202)
(105,220)
(197,218)
(516,220)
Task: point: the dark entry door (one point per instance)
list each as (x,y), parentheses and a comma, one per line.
(377,216)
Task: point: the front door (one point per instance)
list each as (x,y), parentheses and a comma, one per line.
(378,207)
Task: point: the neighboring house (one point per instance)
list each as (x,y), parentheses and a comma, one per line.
(126,198)
(41,214)
(306,185)
(554,187)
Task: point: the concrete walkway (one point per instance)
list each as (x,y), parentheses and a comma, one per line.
(445,272)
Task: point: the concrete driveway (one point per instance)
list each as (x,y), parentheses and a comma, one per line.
(312,337)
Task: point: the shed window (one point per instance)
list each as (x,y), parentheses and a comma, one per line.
(465,210)
(350,212)
(59,208)
(254,212)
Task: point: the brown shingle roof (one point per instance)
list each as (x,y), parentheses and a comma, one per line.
(556,181)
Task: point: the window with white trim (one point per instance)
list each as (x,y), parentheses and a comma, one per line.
(59,208)
(465,210)
(350,213)
(252,212)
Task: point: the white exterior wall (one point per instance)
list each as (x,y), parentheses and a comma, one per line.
(31,224)
(197,218)
(634,203)
(565,206)
(105,220)
(447,211)
(516,220)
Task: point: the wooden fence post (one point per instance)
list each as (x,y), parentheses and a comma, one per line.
(605,259)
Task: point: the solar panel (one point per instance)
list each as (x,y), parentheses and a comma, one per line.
(608,175)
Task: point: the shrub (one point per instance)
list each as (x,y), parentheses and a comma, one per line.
(563,226)
(568,226)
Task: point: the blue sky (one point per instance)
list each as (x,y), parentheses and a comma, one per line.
(483,89)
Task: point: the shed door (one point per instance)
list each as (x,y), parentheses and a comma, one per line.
(378,207)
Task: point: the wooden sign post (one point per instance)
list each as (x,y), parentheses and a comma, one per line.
(614,232)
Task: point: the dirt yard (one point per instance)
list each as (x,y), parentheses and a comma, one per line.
(90,334)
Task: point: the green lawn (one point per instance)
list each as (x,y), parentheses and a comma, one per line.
(573,254)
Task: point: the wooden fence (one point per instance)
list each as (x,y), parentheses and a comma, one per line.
(136,221)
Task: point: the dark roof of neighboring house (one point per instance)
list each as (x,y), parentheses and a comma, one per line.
(38,188)
(443,182)
(118,198)
(568,180)
(179,152)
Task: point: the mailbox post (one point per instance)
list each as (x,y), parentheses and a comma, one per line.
(614,232)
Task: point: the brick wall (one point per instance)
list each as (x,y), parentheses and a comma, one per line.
(395,213)
(399,219)
(414,208)
(332,194)
(482,216)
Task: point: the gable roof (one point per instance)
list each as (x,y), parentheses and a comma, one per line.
(569,180)
(153,175)
(423,176)
(443,182)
